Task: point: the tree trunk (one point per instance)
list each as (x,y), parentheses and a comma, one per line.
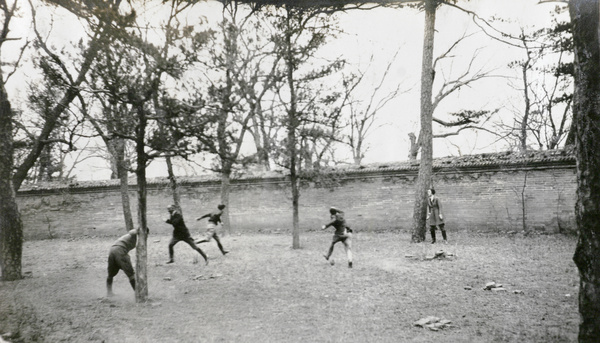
(225,189)
(54,114)
(124,183)
(527,110)
(586,119)
(173,183)
(11,226)
(141,275)
(292,126)
(426,134)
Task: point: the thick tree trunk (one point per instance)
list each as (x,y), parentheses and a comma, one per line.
(11,226)
(426,134)
(141,275)
(586,119)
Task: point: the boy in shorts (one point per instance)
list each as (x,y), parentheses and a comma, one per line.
(214,220)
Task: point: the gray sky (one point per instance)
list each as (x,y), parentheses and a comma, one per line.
(380,33)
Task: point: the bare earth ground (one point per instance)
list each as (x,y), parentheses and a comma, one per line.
(264,291)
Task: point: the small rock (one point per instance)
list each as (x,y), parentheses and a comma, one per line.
(167,278)
(468,288)
(409,256)
(498,289)
(567,295)
(157,241)
(489,286)
(518,291)
(427,320)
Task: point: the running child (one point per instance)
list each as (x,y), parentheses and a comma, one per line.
(342,233)
(214,221)
(180,233)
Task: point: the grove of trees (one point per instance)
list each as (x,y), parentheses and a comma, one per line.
(253,89)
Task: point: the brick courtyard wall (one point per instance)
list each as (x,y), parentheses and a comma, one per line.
(478,193)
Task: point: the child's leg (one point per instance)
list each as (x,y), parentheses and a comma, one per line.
(330,251)
(132,282)
(109,282)
(171,250)
(223,251)
(348,247)
(443,231)
(113,269)
(191,243)
(432,231)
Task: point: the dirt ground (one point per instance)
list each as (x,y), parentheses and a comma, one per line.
(264,291)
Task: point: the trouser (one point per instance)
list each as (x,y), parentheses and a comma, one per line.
(118,259)
(189,241)
(346,240)
(432,230)
(210,234)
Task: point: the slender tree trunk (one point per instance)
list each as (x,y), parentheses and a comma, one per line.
(124,184)
(586,119)
(225,190)
(11,226)
(141,275)
(527,111)
(291,136)
(173,183)
(426,163)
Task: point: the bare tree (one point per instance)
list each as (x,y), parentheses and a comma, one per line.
(364,113)
(454,123)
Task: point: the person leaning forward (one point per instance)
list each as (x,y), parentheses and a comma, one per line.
(180,233)
(118,259)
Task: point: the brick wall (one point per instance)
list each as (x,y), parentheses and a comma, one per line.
(475,196)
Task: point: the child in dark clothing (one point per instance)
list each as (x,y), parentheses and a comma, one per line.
(342,233)
(180,233)
(214,221)
(118,259)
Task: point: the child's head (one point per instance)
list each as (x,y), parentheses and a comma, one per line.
(221,207)
(333,210)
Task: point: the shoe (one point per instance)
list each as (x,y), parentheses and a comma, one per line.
(432,242)
(326,257)
(225,252)
(349,264)
(169,262)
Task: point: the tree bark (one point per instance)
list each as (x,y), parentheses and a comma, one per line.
(141,275)
(586,119)
(292,126)
(11,226)
(173,183)
(124,184)
(426,133)
(225,190)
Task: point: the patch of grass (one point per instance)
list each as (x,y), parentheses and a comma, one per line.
(264,291)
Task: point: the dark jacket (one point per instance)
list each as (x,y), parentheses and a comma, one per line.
(179,229)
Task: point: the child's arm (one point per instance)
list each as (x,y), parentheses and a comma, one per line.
(328,224)
(204,216)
